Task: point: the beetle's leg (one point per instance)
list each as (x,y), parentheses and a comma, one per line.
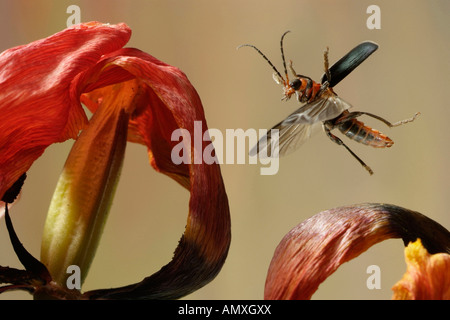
(341,143)
(326,65)
(291,68)
(355,114)
(399,123)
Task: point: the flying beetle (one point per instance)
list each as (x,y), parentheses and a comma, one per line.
(322,105)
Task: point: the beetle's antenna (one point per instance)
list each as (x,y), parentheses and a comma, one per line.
(282,55)
(264,56)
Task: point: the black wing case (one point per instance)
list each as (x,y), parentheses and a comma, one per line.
(350,61)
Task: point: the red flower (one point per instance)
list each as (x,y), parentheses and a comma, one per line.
(41,87)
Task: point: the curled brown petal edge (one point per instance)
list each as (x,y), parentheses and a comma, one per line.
(315,248)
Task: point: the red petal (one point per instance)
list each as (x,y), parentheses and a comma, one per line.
(167,102)
(170,103)
(39,102)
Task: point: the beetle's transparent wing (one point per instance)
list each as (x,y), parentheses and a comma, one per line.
(297,127)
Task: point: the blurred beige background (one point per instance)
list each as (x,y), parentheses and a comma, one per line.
(408,73)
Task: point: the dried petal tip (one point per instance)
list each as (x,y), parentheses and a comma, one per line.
(13,192)
(427,276)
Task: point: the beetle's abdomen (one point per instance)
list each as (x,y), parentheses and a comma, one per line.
(358,131)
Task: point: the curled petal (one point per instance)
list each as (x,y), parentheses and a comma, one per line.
(41,86)
(427,276)
(315,248)
(38,96)
(167,102)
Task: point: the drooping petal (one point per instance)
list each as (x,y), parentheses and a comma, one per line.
(315,248)
(427,276)
(39,100)
(90,66)
(170,102)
